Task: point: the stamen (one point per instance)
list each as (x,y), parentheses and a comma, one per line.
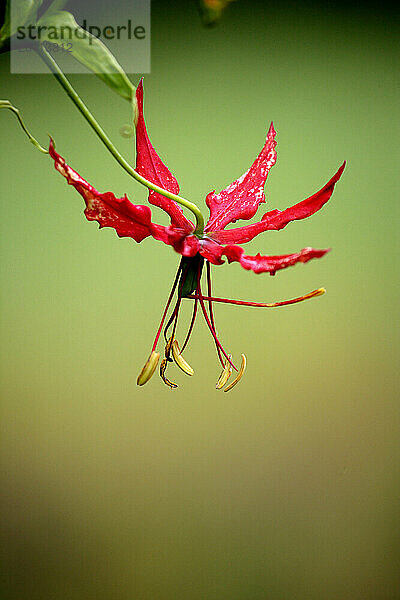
(163,367)
(210,308)
(182,272)
(148,370)
(167,350)
(226,373)
(173,319)
(166,308)
(312,294)
(200,297)
(238,376)
(175,312)
(179,360)
(191,325)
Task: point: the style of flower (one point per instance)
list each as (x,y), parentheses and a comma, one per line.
(199,245)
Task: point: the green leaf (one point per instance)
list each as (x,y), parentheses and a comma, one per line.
(87,49)
(57,5)
(23,11)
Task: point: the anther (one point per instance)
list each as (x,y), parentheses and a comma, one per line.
(148,369)
(238,376)
(180,361)
(163,367)
(226,373)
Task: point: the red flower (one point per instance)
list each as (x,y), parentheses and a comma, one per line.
(240,200)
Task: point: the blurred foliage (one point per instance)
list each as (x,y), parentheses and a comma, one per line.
(23,12)
(211,11)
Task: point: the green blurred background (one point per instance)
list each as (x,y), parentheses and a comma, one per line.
(288,486)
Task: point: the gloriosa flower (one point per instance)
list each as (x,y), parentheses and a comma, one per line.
(240,200)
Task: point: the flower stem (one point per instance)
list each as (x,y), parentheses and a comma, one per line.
(63,81)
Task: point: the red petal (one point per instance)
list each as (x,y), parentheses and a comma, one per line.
(128,220)
(211,251)
(241,198)
(277,219)
(270,264)
(187,246)
(150,166)
(190,245)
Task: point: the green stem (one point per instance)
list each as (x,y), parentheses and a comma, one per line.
(63,81)
(7,104)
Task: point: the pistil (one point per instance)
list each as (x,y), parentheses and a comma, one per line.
(313,294)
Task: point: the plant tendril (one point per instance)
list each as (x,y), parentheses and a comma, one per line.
(7,104)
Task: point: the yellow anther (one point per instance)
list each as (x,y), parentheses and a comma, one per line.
(163,367)
(238,376)
(180,361)
(226,373)
(148,369)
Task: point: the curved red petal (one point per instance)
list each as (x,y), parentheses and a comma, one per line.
(211,251)
(241,198)
(190,245)
(187,245)
(269,264)
(128,220)
(276,219)
(150,166)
